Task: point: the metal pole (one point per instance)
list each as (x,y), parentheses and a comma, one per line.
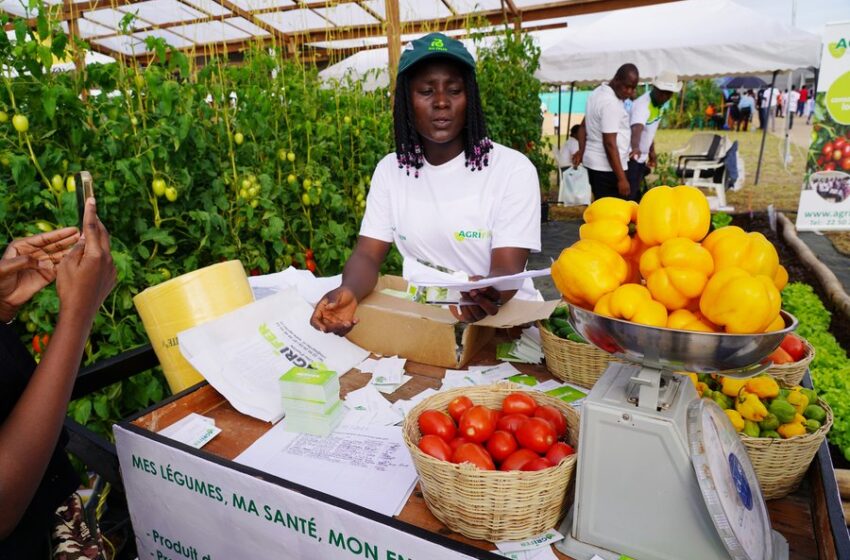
(786,159)
(766,120)
(570,110)
(558,128)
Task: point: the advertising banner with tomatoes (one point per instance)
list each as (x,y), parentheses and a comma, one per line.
(825,200)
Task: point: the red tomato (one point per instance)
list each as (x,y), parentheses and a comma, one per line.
(500,445)
(477,424)
(475,454)
(519,403)
(39,343)
(845,163)
(510,422)
(518,459)
(458,406)
(554,416)
(559,451)
(308,253)
(780,356)
(827,149)
(310,265)
(839,143)
(830,166)
(537,434)
(537,464)
(436,423)
(794,346)
(456,442)
(837,155)
(845,149)
(436,447)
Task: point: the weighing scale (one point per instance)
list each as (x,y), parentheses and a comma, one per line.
(662,474)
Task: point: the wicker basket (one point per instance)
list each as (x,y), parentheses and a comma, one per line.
(573,362)
(492,505)
(790,374)
(781,463)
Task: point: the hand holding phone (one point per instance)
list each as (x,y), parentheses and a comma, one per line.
(85,190)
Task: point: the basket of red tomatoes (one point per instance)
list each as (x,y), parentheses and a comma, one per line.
(495,462)
(791,360)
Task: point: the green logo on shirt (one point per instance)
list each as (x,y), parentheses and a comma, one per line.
(471,234)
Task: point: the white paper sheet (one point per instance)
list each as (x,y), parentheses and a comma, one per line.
(243,353)
(351,463)
(425,277)
(309,287)
(368,407)
(194,430)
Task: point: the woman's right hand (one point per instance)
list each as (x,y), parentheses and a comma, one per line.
(335,312)
(86,275)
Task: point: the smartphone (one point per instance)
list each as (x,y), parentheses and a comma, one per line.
(85,189)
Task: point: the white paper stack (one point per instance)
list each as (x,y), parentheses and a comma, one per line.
(367,407)
(526,349)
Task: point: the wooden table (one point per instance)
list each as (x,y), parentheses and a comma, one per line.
(799,516)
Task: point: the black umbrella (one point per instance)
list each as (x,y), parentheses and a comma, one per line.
(746,82)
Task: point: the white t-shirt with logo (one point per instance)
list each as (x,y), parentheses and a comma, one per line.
(453,217)
(605,113)
(646,113)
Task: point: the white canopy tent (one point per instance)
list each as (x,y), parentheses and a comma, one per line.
(695,39)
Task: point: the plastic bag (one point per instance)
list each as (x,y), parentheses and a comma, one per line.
(575,187)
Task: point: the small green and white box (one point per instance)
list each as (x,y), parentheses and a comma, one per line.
(310,384)
(315,424)
(307,407)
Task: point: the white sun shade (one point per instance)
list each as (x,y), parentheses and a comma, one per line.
(346,15)
(295,20)
(412,10)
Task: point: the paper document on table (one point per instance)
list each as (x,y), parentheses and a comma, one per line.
(508,282)
(367,465)
(243,353)
(309,287)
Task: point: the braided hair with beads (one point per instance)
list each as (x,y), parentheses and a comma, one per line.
(408,143)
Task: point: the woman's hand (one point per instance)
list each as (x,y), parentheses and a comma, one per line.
(29,264)
(86,275)
(480,303)
(335,312)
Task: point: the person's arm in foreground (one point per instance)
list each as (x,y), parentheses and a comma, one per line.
(335,312)
(29,434)
(652,158)
(609,142)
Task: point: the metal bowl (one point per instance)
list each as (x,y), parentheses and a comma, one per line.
(735,355)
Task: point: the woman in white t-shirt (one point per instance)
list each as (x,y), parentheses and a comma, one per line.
(448,196)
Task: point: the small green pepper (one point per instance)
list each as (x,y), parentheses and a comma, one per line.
(770,422)
(815,412)
(751,428)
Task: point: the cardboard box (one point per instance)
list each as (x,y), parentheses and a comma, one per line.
(430,334)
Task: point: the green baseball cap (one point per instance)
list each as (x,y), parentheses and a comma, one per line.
(433,45)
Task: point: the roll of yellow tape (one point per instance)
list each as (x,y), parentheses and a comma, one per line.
(184,302)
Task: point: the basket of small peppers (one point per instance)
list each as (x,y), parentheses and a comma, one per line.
(782,428)
(569,357)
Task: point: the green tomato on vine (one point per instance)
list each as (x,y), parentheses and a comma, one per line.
(21,123)
(57,183)
(70,184)
(238,138)
(290,156)
(158,187)
(4,116)
(171,194)
(291,179)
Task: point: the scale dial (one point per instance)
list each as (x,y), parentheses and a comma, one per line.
(728,483)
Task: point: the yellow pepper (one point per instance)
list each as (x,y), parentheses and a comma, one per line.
(792,429)
(780,279)
(587,270)
(685,320)
(634,303)
(735,417)
(665,213)
(750,407)
(739,301)
(613,222)
(776,324)
(676,272)
(731,386)
(764,386)
(731,246)
(798,400)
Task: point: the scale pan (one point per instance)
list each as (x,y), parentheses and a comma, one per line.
(734,355)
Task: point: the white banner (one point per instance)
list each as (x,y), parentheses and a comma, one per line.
(184,506)
(825,200)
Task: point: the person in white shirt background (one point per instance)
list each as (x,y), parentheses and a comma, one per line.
(644,118)
(569,149)
(448,196)
(605,135)
(793,98)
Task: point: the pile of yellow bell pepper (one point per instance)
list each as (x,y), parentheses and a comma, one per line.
(759,407)
(656,263)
